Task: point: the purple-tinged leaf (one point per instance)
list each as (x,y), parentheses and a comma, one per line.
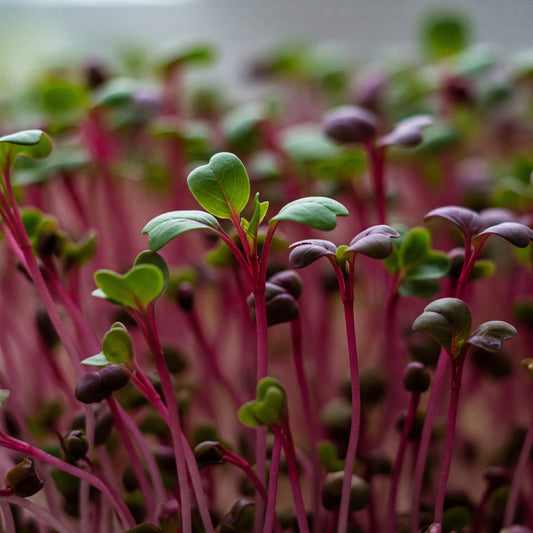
(517,234)
(408,132)
(350,124)
(465,219)
(490,335)
(374,242)
(496,215)
(447,320)
(304,253)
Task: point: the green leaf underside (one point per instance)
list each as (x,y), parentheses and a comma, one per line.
(97,360)
(415,246)
(31,143)
(423,288)
(434,265)
(317,212)
(437,326)
(165,227)
(221,187)
(138,287)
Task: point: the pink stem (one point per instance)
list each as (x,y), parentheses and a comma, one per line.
(270,512)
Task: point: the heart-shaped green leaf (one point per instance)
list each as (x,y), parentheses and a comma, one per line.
(165,227)
(490,335)
(221,187)
(117,346)
(448,321)
(314,211)
(152,258)
(137,288)
(434,265)
(415,246)
(269,407)
(31,143)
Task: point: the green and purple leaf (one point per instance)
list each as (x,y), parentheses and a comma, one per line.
(490,335)
(374,242)
(465,219)
(303,253)
(517,234)
(408,132)
(350,125)
(448,321)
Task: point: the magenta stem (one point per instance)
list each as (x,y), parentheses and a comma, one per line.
(457,371)
(356,411)
(292,467)
(312,430)
(398,463)
(521,466)
(270,512)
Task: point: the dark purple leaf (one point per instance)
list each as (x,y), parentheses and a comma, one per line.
(517,234)
(374,242)
(350,124)
(408,132)
(304,253)
(465,219)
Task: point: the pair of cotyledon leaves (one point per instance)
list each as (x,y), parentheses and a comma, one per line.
(449,322)
(222,188)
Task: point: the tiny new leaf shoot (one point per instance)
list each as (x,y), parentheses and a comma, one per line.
(490,335)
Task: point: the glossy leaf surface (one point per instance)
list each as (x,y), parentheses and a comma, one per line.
(221,187)
(165,227)
(465,219)
(517,234)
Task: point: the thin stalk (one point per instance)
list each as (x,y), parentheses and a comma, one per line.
(349,320)
(270,512)
(398,463)
(520,470)
(40,512)
(377,164)
(146,489)
(152,339)
(22,447)
(457,371)
(292,467)
(312,430)
(7,513)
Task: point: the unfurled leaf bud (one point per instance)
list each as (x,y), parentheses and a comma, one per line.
(114,377)
(23,479)
(75,445)
(209,453)
(416,378)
